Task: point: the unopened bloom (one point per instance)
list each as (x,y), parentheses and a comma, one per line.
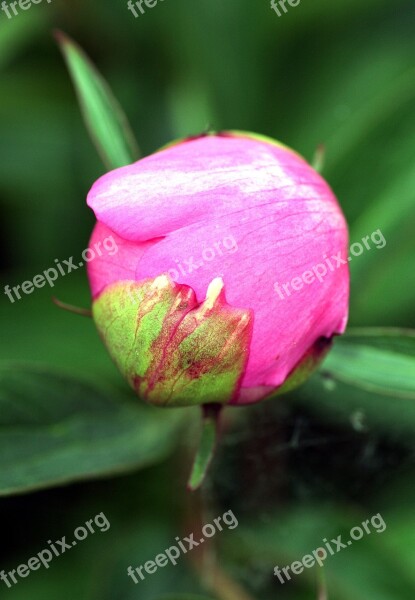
(206,228)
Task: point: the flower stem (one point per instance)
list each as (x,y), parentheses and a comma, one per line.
(321,585)
(207,445)
(225,588)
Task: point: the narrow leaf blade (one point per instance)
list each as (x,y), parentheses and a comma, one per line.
(103,115)
(378,360)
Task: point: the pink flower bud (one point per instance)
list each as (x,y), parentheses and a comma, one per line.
(231,275)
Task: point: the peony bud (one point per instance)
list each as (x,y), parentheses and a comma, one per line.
(231,274)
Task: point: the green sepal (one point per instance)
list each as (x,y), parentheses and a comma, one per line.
(172,350)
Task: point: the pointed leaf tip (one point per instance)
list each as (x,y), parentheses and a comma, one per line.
(103,115)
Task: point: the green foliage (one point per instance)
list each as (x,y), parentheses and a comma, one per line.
(56,429)
(380,361)
(103,115)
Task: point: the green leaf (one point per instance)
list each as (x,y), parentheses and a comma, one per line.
(377,360)
(102,113)
(367,382)
(55,429)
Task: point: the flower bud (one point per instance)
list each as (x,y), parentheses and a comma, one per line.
(231,274)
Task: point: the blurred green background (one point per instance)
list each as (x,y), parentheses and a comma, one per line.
(294,470)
